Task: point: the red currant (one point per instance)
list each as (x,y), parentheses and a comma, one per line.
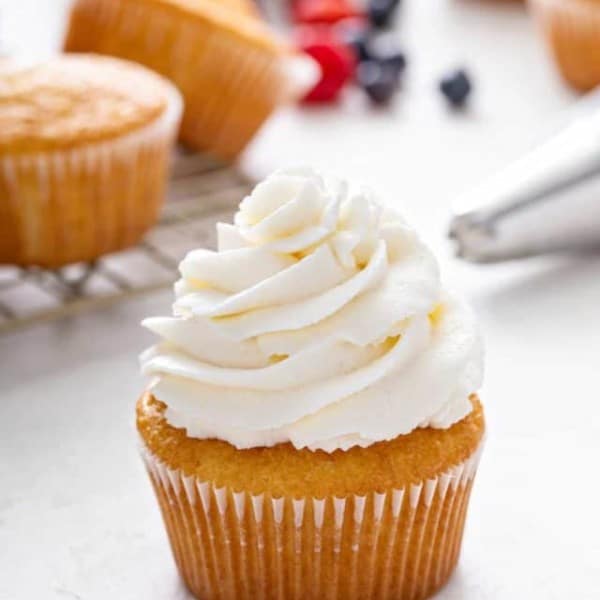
(337,62)
(324,11)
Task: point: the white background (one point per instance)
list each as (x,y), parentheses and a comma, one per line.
(77,518)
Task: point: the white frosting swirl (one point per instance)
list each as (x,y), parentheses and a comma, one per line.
(320,320)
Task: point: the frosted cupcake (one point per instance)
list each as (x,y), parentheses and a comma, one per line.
(312,428)
(85,143)
(572,31)
(231,69)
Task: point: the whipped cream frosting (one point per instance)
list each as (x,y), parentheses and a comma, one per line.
(320,321)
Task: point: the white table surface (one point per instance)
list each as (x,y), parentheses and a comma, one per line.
(77,517)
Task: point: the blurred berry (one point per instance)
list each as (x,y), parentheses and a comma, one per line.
(379,80)
(324,11)
(380,12)
(358,40)
(396,60)
(456,87)
(336,60)
(384,48)
(379,48)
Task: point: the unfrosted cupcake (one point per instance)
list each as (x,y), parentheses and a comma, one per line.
(247,7)
(312,428)
(572,31)
(231,69)
(84,150)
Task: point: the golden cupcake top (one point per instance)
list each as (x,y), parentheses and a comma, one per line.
(73,100)
(247,7)
(235,17)
(284,470)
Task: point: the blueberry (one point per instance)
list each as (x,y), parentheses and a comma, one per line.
(456,87)
(384,49)
(359,42)
(379,80)
(396,60)
(380,12)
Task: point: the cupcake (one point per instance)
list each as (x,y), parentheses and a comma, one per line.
(232,71)
(84,149)
(572,30)
(245,7)
(311,428)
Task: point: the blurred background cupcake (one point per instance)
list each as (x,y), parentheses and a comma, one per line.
(572,31)
(231,69)
(84,149)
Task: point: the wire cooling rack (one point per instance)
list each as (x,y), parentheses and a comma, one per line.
(201,192)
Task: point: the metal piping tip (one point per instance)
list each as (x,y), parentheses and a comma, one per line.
(548,201)
(471,237)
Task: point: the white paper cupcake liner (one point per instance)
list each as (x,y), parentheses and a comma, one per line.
(64,206)
(401,543)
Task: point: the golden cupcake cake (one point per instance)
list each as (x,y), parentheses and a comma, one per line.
(246,7)
(312,428)
(84,149)
(572,31)
(232,71)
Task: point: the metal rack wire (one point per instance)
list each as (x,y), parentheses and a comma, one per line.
(201,192)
